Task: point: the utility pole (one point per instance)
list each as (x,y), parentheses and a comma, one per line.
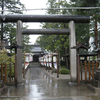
(96,34)
(2,24)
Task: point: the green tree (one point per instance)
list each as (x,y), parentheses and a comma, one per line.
(13,7)
(90,30)
(52,42)
(4,57)
(9,29)
(83,31)
(25,43)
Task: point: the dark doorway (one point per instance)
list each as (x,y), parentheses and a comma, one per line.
(35,58)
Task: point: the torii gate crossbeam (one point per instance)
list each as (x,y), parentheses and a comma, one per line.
(46,31)
(45,18)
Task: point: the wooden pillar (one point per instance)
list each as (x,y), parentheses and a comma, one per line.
(57,61)
(5,72)
(1,71)
(52,66)
(24,66)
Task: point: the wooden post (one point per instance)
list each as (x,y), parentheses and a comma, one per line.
(24,66)
(43,63)
(81,70)
(15,67)
(1,71)
(48,63)
(89,70)
(78,70)
(93,68)
(85,71)
(5,72)
(57,61)
(96,65)
(52,65)
(10,70)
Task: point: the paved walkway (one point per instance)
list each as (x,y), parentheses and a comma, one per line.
(41,85)
(54,75)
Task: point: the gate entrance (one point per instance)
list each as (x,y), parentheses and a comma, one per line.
(46,18)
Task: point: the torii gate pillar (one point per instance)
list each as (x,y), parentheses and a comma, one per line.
(19,51)
(72,42)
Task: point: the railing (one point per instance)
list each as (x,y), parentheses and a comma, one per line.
(8,73)
(87,70)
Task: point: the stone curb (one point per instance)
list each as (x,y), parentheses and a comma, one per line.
(3,89)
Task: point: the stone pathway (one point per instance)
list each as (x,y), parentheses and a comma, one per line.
(38,85)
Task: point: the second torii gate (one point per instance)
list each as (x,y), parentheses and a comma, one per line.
(46,18)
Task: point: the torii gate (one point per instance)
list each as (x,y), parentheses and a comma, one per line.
(46,18)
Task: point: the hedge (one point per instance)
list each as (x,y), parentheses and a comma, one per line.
(64,71)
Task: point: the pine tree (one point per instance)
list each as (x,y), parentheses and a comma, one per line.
(8,30)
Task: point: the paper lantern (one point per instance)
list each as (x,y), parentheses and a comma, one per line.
(47,59)
(50,58)
(54,58)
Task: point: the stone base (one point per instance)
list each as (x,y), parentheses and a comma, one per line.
(97,76)
(1,84)
(85,82)
(3,89)
(98,72)
(93,89)
(95,83)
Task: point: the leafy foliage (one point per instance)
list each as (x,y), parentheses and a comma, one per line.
(9,29)
(52,42)
(89,29)
(84,32)
(25,42)
(4,58)
(64,71)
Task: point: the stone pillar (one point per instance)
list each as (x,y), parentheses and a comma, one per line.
(19,51)
(72,42)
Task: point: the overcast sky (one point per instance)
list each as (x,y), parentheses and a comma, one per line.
(31,4)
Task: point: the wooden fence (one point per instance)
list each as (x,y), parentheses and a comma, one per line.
(87,70)
(8,73)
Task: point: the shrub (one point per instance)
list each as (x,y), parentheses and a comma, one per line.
(62,66)
(12,71)
(64,71)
